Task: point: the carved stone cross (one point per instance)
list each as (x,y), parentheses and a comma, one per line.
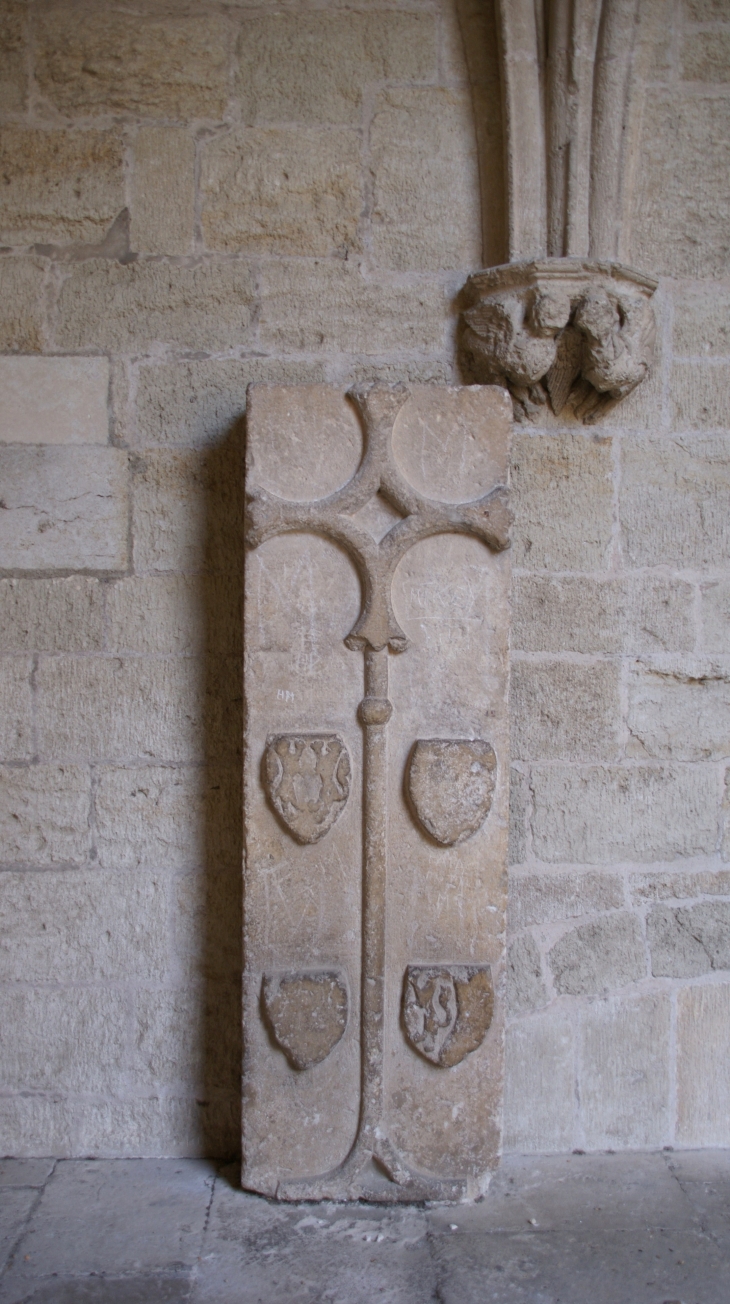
(448,787)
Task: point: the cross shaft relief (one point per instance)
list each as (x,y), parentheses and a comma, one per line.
(437,1008)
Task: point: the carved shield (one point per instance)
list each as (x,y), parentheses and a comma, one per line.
(450,784)
(447,1010)
(306,1013)
(307,779)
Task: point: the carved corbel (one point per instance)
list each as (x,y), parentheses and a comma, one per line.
(564,322)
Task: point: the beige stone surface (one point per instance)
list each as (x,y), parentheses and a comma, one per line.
(703,1047)
(117,306)
(623,1073)
(542,898)
(333,305)
(173,65)
(599,814)
(539,1102)
(13,76)
(599,956)
(45,814)
(715,616)
(690,941)
(352,50)
(303,913)
(40,1054)
(54,400)
(584,614)
(563,501)
(59,187)
(22,326)
(663,884)
(64,508)
(424,175)
(679,710)
(84,926)
(164,817)
(525,984)
(163,191)
(700,396)
(42,615)
(706,56)
(16,709)
(186,510)
(674,500)
(281,190)
(701,320)
(564,711)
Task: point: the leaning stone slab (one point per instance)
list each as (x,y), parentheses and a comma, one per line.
(376,790)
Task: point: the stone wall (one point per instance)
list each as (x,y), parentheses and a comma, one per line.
(197,195)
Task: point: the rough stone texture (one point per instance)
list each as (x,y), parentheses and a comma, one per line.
(21,312)
(565,711)
(703,1047)
(701,322)
(583,614)
(16,741)
(674,503)
(679,711)
(51,615)
(58,187)
(563,501)
(715,616)
(354,49)
(163,191)
(525,985)
(54,400)
(623,1072)
(598,814)
(44,814)
(689,941)
(65,508)
(304,815)
(700,396)
(599,956)
(282,191)
(174,66)
(421,179)
(13,76)
(541,898)
(539,1083)
(107,305)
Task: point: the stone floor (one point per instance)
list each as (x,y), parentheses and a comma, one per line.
(568,1229)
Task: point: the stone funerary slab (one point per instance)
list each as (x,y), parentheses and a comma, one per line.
(376,790)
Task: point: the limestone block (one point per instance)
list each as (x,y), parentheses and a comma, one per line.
(702,320)
(580,614)
(109,709)
(598,956)
(525,984)
(353,817)
(705,56)
(163,191)
(679,710)
(63,1039)
(170,1038)
(312,67)
(539,1084)
(703,1050)
(425,180)
(65,508)
(705,11)
(16,708)
(110,305)
(166,65)
(674,502)
(564,711)
(519,802)
(21,309)
(715,616)
(663,884)
(689,941)
(54,400)
(13,78)
(563,501)
(59,187)
(186,510)
(623,1072)
(44,814)
(62,615)
(331,305)
(598,814)
(166,817)
(207,920)
(542,898)
(679,204)
(84,926)
(179,606)
(203,401)
(282,190)
(700,396)
(725,821)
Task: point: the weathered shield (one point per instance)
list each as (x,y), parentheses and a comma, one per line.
(307,779)
(447,1010)
(450,784)
(306,1013)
